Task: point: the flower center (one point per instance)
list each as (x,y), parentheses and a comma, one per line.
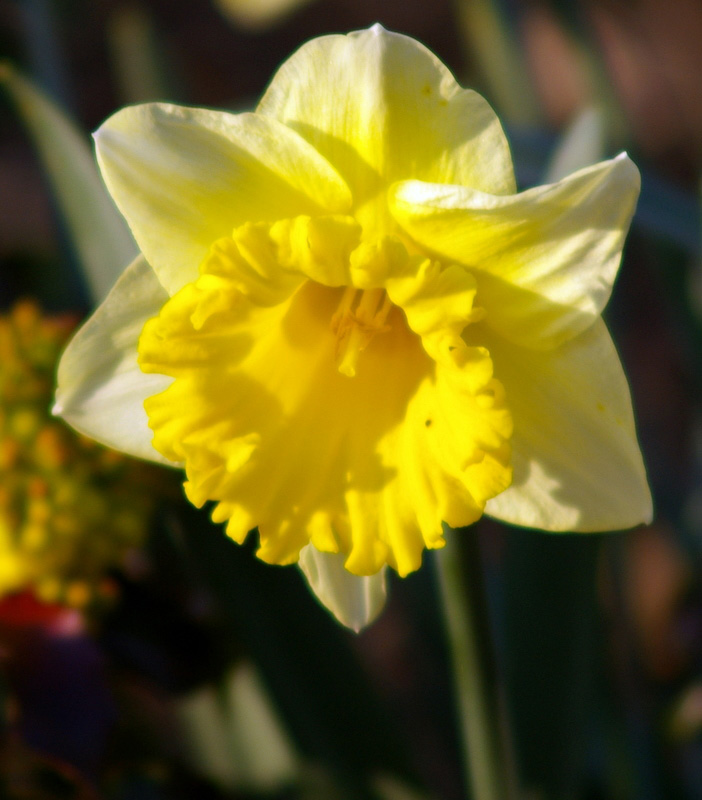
(360,316)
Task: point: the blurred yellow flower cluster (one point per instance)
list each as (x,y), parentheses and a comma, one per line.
(69,508)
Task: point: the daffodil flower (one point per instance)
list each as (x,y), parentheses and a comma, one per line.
(349,328)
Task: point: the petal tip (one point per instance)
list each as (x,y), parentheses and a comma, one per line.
(355,601)
(650,512)
(627,166)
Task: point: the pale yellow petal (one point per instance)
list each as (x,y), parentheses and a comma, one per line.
(354,600)
(545,259)
(101,390)
(184,177)
(381,108)
(577,462)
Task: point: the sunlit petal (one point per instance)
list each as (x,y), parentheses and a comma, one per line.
(577,462)
(545,259)
(381,108)
(183,177)
(101,390)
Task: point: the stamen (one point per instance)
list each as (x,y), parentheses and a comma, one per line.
(344,307)
(359,317)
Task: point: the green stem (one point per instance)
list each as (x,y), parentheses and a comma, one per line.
(486,747)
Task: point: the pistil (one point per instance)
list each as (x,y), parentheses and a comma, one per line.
(359,317)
